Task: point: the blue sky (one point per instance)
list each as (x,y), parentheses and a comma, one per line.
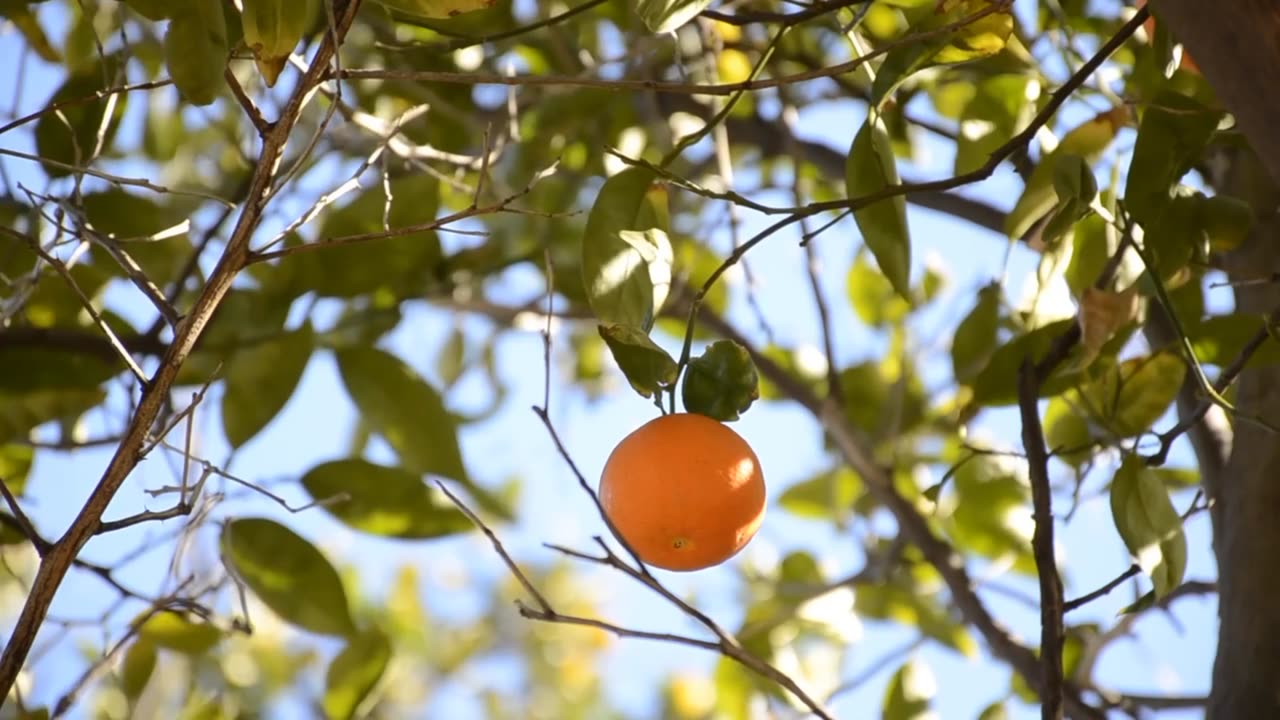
(1168,653)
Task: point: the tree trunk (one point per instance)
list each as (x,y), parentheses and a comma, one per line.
(1246,674)
(1236,44)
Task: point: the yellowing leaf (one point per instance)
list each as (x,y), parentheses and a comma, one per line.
(1128,398)
(1102,313)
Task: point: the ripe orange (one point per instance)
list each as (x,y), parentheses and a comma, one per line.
(685,492)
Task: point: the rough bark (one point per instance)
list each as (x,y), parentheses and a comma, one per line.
(1236,43)
(1246,676)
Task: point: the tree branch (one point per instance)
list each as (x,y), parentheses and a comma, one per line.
(54,566)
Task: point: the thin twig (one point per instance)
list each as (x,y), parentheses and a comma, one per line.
(528,585)
(53,567)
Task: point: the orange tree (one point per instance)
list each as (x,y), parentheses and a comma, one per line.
(202,199)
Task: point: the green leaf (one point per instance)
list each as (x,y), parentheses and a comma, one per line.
(876,403)
(127,217)
(998,109)
(664,16)
(195,50)
(975,338)
(451,362)
(354,672)
(1088,141)
(1219,340)
(135,671)
(626,255)
(20,413)
(910,691)
(1226,220)
(288,574)
(1130,397)
(1067,431)
(721,382)
(997,384)
(404,409)
(908,601)
(870,168)
(990,512)
(15,466)
(646,366)
(1149,525)
(260,381)
(174,631)
(973,40)
(70,135)
(27,369)
(827,496)
(1174,131)
(406,265)
(872,295)
(383,500)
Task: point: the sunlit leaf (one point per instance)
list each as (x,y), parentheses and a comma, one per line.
(663,16)
(997,384)
(288,574)
(910,692)
(260,380)
(354,672)
(1128,398)
(873,296)
(382,500)
(976,33)
(826,496)
(624,274)
(1149,525)
(870,168)
(175,631)
(1088,141)
(136,669)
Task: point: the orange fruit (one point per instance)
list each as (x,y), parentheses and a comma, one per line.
(684,491)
